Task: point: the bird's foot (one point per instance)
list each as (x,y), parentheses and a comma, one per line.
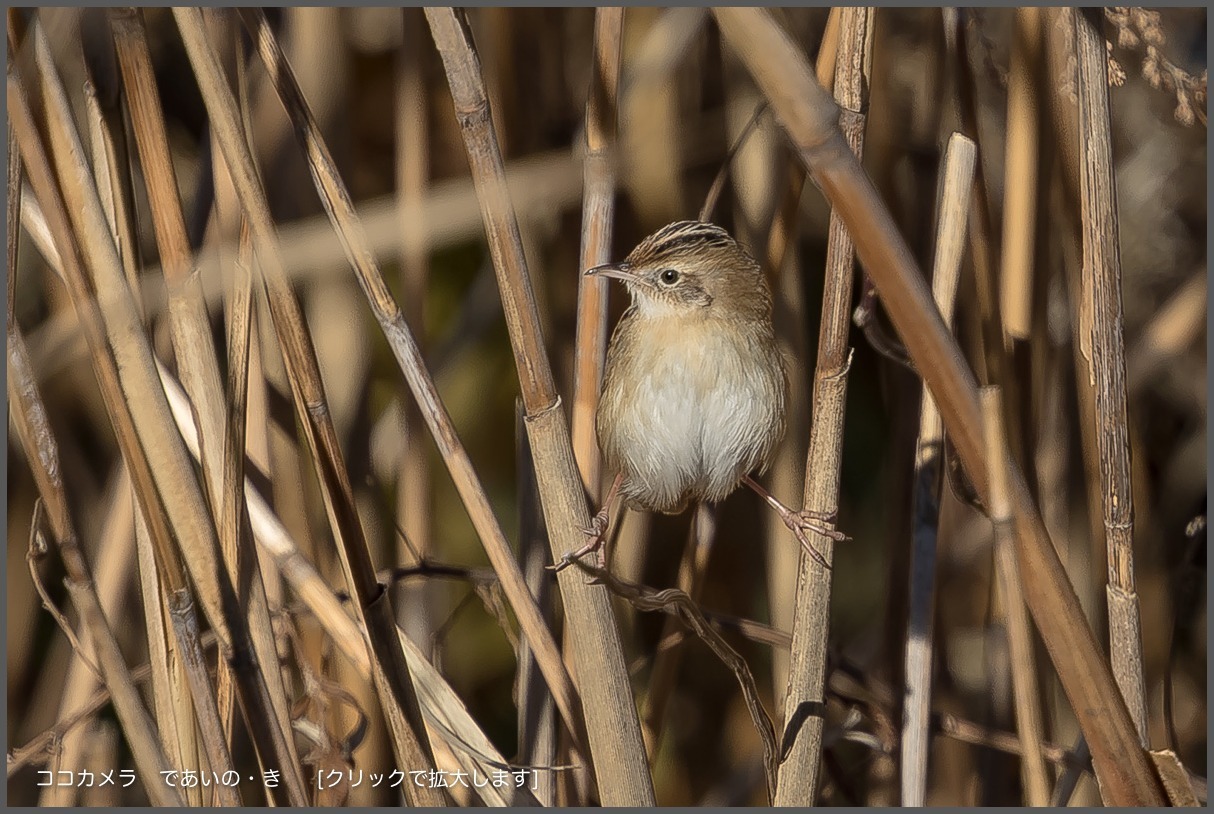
(596,534)
(810,520)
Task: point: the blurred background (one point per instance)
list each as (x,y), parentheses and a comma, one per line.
(376,85)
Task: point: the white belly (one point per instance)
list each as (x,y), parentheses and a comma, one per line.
(696,418)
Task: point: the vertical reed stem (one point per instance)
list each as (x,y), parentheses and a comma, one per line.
(956,192)
(1106,366)
(611,717)
(804,705)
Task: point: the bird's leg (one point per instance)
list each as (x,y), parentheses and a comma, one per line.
(797,522)
(596,532)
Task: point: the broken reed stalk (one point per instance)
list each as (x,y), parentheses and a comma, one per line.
(345,222)
(194,350)
(34,431)
(956,194)
(1106,365)
(799,771)
(170,495)
(537,730)
(390,671)
(1026,698)
(611,716)
(809,116)
(598,217)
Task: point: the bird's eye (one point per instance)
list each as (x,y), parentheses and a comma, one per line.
(669,277)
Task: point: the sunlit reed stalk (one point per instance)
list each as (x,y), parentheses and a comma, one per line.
(390,673)
(956,191)
(337,201)
(801,767)
(170,493)
(33,428)
(196,358)
(1020,168)
(598,216)
(809,116)
(1107,366)
(611,719)
(788,469)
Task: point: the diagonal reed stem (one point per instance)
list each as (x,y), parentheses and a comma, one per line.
(346,223)
(809,117)
(390,671)
(611,717)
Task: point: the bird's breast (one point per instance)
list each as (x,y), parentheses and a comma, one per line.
(688,409)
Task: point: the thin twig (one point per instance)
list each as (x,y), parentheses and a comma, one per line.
(678,603)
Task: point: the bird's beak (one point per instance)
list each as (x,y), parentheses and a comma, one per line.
(616,271)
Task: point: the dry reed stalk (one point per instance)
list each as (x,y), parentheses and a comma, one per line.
(316,594)
(810,117)
(33,428)
(804,705)
(990,366)
(956,193)
(373,605)
(345,221)
(598,217)
(107,140)
(1106,364)
(1020,171)
(413,483)
(788,469)
(1020,635)
(221,428)
(115,558)
(169,492)
(171,675)
(614,731)
(537,731)
(12,217)
(177,489)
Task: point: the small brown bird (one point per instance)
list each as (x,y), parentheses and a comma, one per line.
(694,390)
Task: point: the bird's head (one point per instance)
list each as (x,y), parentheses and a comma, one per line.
(692,268)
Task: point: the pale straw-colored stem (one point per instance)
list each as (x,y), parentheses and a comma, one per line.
(954,205)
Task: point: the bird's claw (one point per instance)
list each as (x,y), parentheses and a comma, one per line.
(800,522)
(817,522)
(594,544)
